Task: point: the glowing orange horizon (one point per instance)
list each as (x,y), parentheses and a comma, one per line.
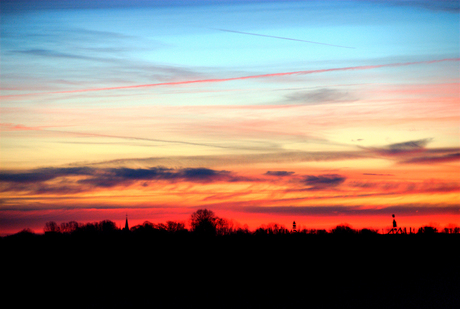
(381,223)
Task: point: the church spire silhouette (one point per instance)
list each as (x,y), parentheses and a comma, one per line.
(126,224)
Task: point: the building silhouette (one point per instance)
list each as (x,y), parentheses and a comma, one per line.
(126,228)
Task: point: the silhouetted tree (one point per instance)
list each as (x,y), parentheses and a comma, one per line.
(174,227)
(343,230)
(203,222)
(368,232)
(107,226)
(275,228)
(242,230)
(148,225)
(26,232)
(69,227)
(51,227)
(88,228)
(224,226)
(161,226)
(144,228)
(310,231)
(427,230)
(446,230)
(260,231)
(272,228)
(451,229)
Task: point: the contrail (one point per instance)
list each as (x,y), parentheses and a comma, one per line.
(221,80)
(282,38)
(160,140)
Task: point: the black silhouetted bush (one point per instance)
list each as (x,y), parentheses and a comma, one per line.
(368,232)
(427,230)
(26,234)
(146,227)
(271,229)
(451,230)
(343,230)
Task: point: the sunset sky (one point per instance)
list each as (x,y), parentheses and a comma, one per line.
(322,112)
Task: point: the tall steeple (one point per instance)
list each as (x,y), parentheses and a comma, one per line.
(126,224)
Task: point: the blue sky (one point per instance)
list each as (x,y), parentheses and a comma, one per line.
(145,86)
(146,44)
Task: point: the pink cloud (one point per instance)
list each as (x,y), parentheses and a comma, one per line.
(18,127)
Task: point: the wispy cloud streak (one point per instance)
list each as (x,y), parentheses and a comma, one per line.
(451,157)
(265,147)
(324,181)
(405,148)
(283,38)
(221,80)
(279,173)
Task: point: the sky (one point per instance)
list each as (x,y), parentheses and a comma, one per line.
(322,112)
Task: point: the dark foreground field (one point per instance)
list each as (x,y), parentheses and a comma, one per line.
(123,270)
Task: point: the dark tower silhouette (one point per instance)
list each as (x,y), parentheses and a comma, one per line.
(294,227)
(126,229)
(395,229)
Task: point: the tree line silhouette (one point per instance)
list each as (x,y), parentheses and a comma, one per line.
(211,262)
(205,222)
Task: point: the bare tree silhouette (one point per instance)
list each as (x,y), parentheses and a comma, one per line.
(51,227)
(203,222)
